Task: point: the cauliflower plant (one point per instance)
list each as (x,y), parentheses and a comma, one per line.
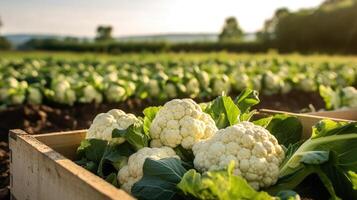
(271,83)
(181,122)
(34,95)
(104,124)
(349,97)
(63,93)
(170,90)
(13,91)
(115,93)
(255,152)
(240,81)
(90,94)
(153,88)
(193,87)
(133,171)
(221,84)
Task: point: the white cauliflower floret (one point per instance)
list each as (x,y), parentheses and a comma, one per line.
(221,84)
(349,97)
(272,83)
(115,93)
(63,93)
(255,152)
(104,124)
(193,87)
(133,171)
(181,122)
(90,94)
(241,81)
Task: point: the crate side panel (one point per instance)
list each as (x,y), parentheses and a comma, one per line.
(41,173)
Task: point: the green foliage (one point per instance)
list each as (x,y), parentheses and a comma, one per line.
(159,180)
(316,29)
(134,135)
(226,112)
(149,115)
(103,158)
(223,111)
(222,185)
(104,33)
(287,129)
(231,31)
(330,154)
(4,44)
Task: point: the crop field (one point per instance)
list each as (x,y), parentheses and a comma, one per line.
(50,91)
(70,88)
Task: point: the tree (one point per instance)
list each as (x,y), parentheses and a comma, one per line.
(0,23)
(269,28)
(231,31)
(4,43)
(104,33)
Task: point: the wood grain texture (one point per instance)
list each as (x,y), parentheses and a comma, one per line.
(40,173)
(349,114)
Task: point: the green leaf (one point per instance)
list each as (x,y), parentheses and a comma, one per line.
(314,157)
(328,127)
(87,164)
(246,99)
(332,99)
(223,111)
(134,135)
(353,178)
(330,153)
(149,114)
(114,158)
(222,185)
(287,129)
(112,179)
(92,149)
(186,155)
(288,195)
(263,122)
(159,180)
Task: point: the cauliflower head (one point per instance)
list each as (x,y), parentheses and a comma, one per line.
(90,94)
(133,171)
(181,121)
(63,92)
(255,152)
(34,95)
(115,93)
(104,124)
(349,97)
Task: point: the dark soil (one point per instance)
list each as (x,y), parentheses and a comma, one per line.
(49,118)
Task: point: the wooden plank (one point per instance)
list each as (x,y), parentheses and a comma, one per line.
(65,143)
(350,114)
(38,173)
(307,120)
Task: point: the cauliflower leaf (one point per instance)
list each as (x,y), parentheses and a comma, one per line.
(159,180)
(221,185)
(287,129)
(134,135)
(330,154)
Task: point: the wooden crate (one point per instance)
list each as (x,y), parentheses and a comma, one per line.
(349,114)
(307,120)
(41,169)
(41,166)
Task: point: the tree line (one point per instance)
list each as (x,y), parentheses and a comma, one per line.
(329,28)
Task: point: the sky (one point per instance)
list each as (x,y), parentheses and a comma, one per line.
(137,17)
